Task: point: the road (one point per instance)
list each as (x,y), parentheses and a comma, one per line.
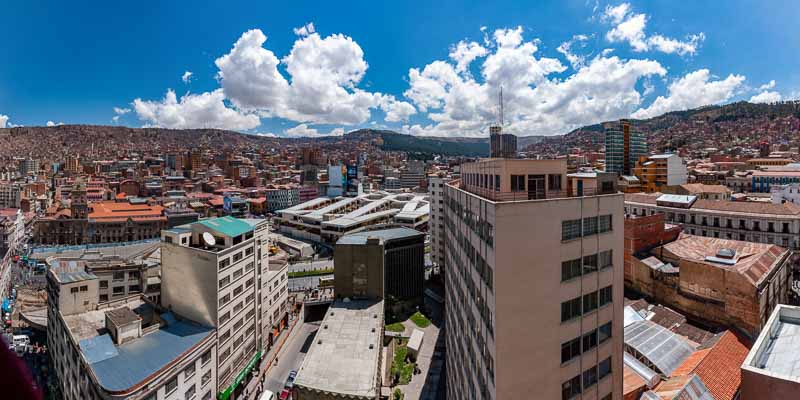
(291,356)
(313,265)
(305,283)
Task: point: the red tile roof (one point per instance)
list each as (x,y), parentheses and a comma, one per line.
(719,366)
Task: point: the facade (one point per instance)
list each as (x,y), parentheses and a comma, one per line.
(379,264)
(223,284)
(127,348)
(507,309)
(757,222)
(325,220)
(12,229)
(436,223)
(10,195)
(624,146)
(762,181)
(658,171)
(769,372)
(410,179)
(706,192)
(282,197)
(785,193)
(501,145)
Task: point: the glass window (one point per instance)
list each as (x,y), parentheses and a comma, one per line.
(604,332)
(589,377)
(589,340)
(605,259)
(570,350)
(570,229)
(589,263)
(571,388)
(604,223)
(570,269)
(604,368)
(570,309)
(589,302)
(605,295)
(171,385)
(206,357)
(589,226)
(188,371)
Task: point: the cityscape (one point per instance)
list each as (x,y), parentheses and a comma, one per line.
(604,211)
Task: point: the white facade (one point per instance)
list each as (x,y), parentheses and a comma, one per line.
(436,222)
(789,193)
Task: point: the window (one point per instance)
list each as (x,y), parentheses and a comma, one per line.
(570,350)
(571,388)
(604,368)
(605,296)
(189,393)
(604,332)
(188,371)
(224,318)
(103,297)
(605,259)
(118,276)
(570,229)
(570,269)
(206,377)
(604,224)
(224,281)
(589,377)
(73,290)
(249,282)
(248,251)
(134,289)
(570,309)
(207,396)
(225,299)
(205,358)
(237,257)
(171,385)
(224,356)
(119,290)
(554,181)
(224,263)
(590,340)
(237,291)
(104,284)
(589,226)
(589,263)
(517,183)
(224,337)
(589,302)
(497,183)
(133,275)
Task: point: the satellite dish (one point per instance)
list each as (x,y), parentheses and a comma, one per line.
(209,239)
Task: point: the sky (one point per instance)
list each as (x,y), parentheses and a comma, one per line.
(421,68)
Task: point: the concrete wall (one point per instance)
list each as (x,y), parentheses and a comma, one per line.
(757,386)
(189,282)
(355,262)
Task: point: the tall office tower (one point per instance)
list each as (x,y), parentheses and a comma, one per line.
(29,166)
(217,272)
(624,146)
(534,287)
(436,221)
(73,164)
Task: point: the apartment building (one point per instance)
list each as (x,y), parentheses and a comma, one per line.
(660,170)
(280,197)
(436,222)
(624,146)
(125,348)
(758,222)
(517,324)
(217,272)
(10,195)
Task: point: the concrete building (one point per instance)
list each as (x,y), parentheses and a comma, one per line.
(281,197)
(10,195)
(624,146)
(29,166)
(758,222)
(325,220)
(501,145)
(378,264)
(127,348)
(702,191)
(660,170)
(763,180)
(785,193)
(507,309)
(410,179)
(771,370)
(436,222)
(344,360)
(225,283)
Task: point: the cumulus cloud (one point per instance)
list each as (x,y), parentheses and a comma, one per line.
(323,85)
(121,111)
(51,123)
(187,77)
(693,90)
(768,85)
(3,120)
(305,30)
(575,60)
(766,97)
(460,105)
(303,130)
(628,26)
(205,110)
(464,53)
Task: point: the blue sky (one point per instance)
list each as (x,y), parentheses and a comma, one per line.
(418,68)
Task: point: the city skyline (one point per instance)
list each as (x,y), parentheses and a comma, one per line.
(323,71)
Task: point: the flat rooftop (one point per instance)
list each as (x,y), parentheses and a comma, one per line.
(385,235)
(777,349)
(343,359)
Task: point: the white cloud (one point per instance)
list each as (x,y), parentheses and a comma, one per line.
(577,61)
(121,111)
(766,97)
(768,85)
(630,27)
(187,77)
(206,110)
(459,105)
(3,120)
(396,110)
(264,134)
(464,53)
(305,30)
(51,123)
(303,130)
(691,91)
(323,89)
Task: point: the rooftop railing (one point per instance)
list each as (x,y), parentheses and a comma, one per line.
(499,196)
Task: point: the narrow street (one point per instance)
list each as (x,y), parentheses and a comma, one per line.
(291,356)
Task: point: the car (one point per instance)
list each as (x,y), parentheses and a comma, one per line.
(267,395)
(290,380)
(285,395)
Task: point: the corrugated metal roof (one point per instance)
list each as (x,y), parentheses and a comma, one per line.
(662,348)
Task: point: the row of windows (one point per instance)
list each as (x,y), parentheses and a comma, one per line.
(585,304)
(575,228)
(574,268)
(591,376)
(575,347)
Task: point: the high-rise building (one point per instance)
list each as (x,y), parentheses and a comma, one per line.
(217,272)
(29,166)
(436,222)
(658,171)
(503,145)
(517,324)
(624,146)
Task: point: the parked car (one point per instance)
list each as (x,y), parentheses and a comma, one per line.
(285,395)
(267,395)
(290,380)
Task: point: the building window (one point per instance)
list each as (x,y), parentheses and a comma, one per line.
(517,183)
(188,372)
(224,318)
(497,183)
(206,377)
(605,296)
(570,269)
(171,385)
(589,377)
(570,350)
(605,259)
(73,290)
(103,297)
(118,276)
(589,226)
(604,368)
(589,341)
(570,309)
(554,181)
(604,332)
(589,263)
(104,284)
(225,299)
(237,257)
(604,224)
(189,393)
(205,358)
(119,290)
(571,388)
(570,229)
(589,302)
(134,289)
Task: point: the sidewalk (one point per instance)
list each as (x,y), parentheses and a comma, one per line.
(268,359)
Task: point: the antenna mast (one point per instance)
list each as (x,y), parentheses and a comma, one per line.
(501,105)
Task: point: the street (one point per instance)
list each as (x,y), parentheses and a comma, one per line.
(291,356)
(313,265)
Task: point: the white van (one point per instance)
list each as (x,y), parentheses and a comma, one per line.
(21,340)
(267,395)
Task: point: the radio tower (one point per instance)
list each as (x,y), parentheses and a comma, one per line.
(502,145)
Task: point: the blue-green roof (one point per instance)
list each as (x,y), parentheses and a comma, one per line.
(227,225)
